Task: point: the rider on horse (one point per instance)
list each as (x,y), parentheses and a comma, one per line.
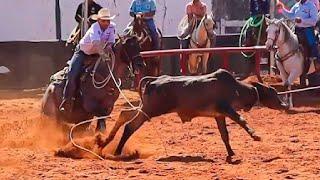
(146,9)
(194,9)
(100,35)
(255,25)
(305,15)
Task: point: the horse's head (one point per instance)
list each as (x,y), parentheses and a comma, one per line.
(273,32)
(138,20)
(209,24)
(130,52)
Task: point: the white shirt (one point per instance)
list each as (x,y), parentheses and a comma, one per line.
(95,33)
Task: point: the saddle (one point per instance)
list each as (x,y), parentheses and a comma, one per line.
(61,76)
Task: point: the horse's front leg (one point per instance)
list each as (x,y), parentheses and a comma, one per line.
(193,64)
(99,111)
(294,74)
(205,59)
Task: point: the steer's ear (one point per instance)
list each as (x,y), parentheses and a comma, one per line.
(256,84)
(260,87)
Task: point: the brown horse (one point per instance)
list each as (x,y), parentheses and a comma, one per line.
(139,28)
(97,91)
(254,34)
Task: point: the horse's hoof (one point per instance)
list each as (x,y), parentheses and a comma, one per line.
(60,153)
(101,126)
(100,140)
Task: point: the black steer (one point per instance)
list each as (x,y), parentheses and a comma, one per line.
(213,95)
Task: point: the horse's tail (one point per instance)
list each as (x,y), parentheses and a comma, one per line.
(144,82)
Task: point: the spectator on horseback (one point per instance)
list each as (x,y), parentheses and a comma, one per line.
(255,25)
(100,36)
(195,10)
(259,7)
(146,9)
(93,8)
(305,15)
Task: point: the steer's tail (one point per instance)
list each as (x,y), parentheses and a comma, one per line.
(143,83)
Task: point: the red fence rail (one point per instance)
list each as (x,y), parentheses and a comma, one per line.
(223,51)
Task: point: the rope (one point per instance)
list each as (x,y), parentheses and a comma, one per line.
(83,148)
(103,83)
(251,23)
(138,108)
(299,90)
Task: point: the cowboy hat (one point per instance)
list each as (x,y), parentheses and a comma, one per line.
(103,14)
(4,70)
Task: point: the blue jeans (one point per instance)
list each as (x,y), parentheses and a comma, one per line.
(75,69)
(308,39)
(153,32)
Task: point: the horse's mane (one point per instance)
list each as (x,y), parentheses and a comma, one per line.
(287,32)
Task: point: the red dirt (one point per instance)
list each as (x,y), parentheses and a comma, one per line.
(290,146)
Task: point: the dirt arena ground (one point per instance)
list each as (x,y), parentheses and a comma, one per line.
(169,149)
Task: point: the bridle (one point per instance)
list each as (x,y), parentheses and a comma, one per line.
(275,39)
(277,56)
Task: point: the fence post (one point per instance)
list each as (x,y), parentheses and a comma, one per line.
(225,58)
(258,56)
(272,58)
(58,20)
(223,26)
(183,63)
(85,18)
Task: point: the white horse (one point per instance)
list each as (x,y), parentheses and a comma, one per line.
(200,38)
(289,56)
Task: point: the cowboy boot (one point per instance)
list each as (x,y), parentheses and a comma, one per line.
(316,64)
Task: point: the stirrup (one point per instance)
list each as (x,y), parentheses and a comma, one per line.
(66,105)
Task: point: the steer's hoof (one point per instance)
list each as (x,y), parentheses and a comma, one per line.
(233,160)
(256,137)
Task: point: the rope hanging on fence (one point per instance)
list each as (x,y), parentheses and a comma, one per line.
(251,22)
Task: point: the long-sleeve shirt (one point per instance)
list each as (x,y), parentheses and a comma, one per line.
(306,11)
(316,2)
(95,33)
